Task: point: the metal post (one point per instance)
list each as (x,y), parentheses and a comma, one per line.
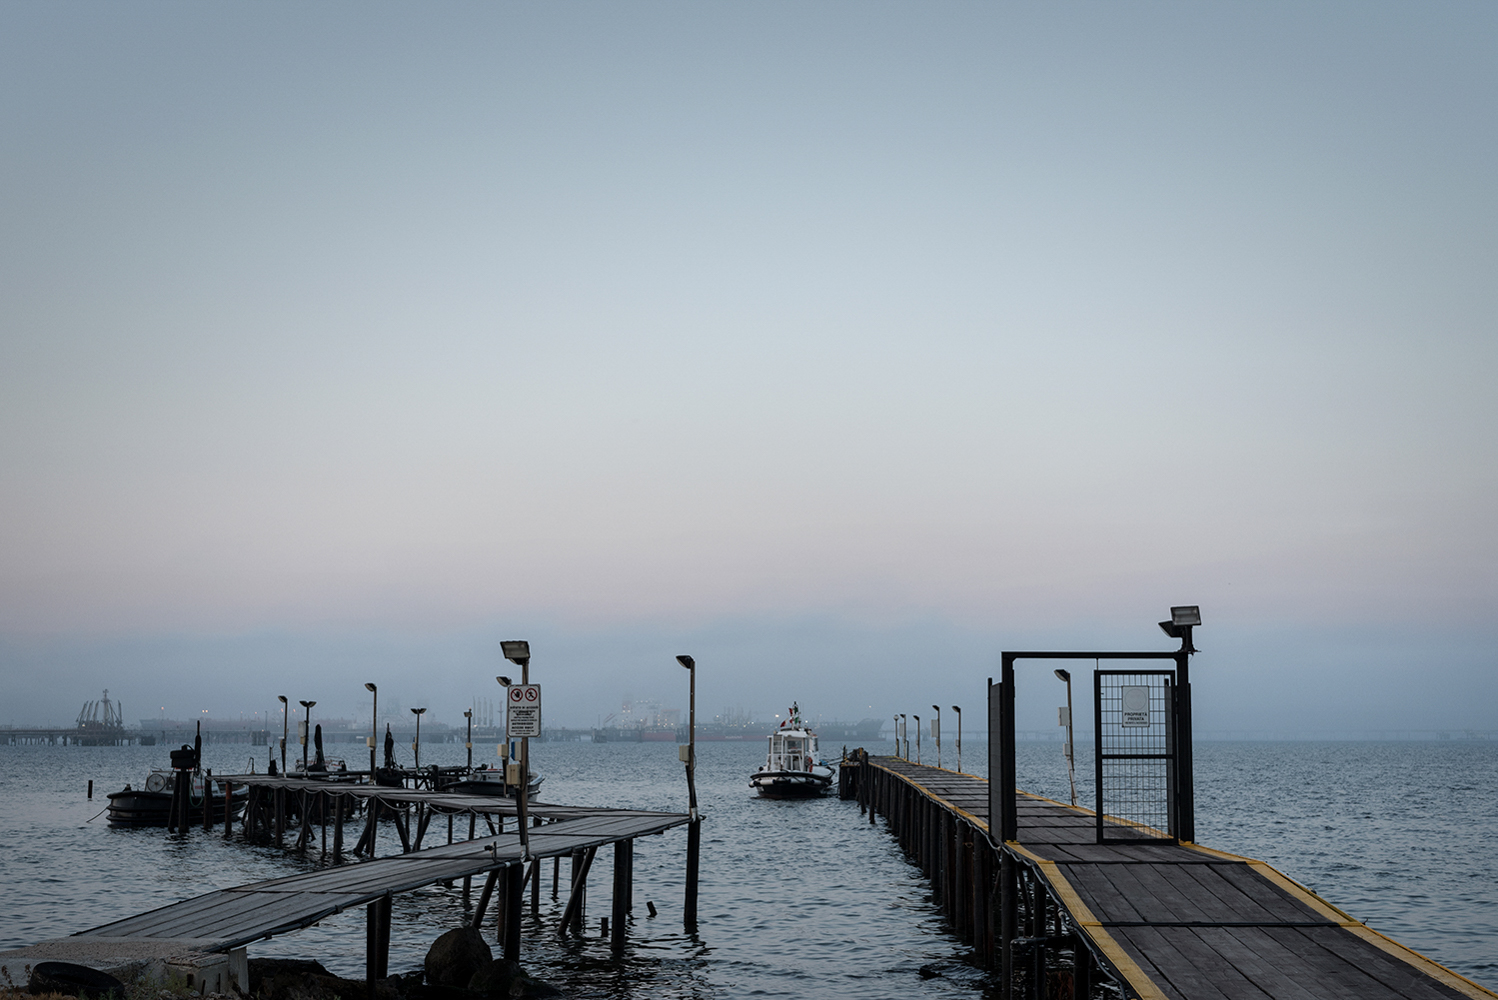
(959,738)
(1186,825)
(917,719)
(936,733)
(374,728)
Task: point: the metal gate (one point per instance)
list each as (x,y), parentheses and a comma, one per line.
(1135,719)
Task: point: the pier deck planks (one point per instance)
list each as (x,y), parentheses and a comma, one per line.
(1199,924)
(230,918)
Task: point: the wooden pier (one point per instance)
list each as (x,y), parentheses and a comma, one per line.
(1054,908)
(296,812)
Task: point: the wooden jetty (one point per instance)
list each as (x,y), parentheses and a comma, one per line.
(217,926)
(1054,909)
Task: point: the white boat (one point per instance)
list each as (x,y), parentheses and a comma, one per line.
(792,769)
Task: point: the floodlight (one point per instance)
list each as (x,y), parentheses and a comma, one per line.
(517,651)
(1188,614)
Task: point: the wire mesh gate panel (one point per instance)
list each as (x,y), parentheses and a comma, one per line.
(1134,717)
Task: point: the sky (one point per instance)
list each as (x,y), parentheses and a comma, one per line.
(841,345)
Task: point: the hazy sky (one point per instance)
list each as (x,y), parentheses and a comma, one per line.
(847,343)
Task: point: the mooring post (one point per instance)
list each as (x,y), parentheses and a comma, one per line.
(694,846)
(338,801)
(228,809)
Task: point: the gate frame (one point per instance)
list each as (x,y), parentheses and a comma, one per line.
(1002,796)
(1172,755)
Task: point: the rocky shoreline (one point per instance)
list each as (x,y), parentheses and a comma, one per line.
(459,966)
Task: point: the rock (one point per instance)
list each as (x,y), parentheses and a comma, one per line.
(495,977)
(65,977)
(456,956)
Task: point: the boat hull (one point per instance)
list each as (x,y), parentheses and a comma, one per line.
(143,808)
(792,784)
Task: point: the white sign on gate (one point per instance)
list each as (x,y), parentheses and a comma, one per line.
(523,711)
(1135,704)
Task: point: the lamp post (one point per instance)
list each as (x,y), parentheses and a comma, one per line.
(959,738)
(518,652)
(416,743)
(306,733)
(374,723)
(691,758)
(917,719)
(897,733)
(282,699)
(694,825)
(904,741)
(1071,766)
(936,733)
(468,742)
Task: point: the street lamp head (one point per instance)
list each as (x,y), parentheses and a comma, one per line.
(468,713)
(503,680)
(938,709)
(308,704)
(956,709)
(417,711)
(369,686)
(686,661)
(281,698)
(1063,675)
(1187,614)
(517,651)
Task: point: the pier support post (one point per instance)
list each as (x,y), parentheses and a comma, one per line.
(1008,917)
(338,802)
(509,911)
(694,848)
(377,941)
(623,877)
(535,877)
(484,895)
(228,810)
(572,914)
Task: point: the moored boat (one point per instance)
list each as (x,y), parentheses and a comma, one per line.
(152,804)
(792,768)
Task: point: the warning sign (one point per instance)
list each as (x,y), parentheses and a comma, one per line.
(1135,704)
(523,716)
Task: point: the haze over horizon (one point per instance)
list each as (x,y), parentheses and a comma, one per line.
(842,346)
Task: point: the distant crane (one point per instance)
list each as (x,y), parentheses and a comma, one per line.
(112,712)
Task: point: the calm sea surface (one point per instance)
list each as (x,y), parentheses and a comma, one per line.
(802,898)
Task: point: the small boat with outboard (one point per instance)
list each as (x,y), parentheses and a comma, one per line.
(792,769)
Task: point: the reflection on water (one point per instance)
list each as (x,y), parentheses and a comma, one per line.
(797,898)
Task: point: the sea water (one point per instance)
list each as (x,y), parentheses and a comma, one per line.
(797,898)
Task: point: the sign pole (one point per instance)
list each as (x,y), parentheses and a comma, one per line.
(525,774)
